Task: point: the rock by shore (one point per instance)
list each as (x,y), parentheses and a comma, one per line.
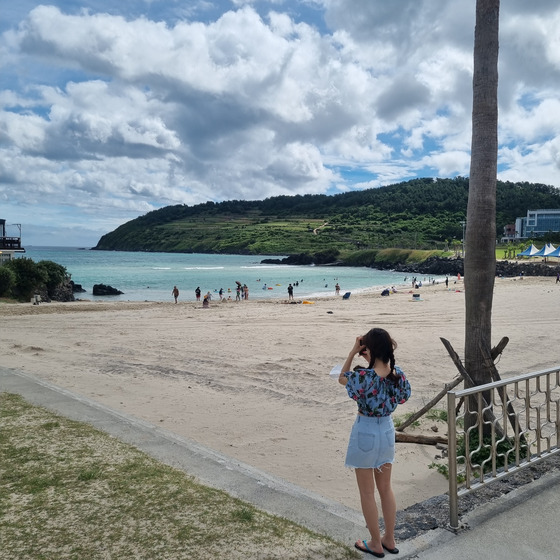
(103,290)
(437,266)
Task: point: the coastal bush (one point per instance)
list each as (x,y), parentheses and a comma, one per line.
(420,256)
(387,256)
(327,256)
(21,278)
(29,277)
(360,258)
(7,280)
(56,274)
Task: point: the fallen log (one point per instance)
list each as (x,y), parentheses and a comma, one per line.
(424,440)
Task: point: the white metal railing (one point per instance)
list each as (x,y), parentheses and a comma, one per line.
(513,423)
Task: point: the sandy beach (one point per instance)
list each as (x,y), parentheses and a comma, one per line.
(250,379)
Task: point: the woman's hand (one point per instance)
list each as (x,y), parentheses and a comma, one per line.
(358,346)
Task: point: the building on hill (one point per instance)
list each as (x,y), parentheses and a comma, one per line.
(9,245)
(509,233)
(535,224)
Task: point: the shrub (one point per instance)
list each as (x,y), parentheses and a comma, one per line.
(7,281)
(29,277)
(56,274)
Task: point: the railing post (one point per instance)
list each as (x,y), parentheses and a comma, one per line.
(452,462)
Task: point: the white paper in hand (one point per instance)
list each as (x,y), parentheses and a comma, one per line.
(335,371)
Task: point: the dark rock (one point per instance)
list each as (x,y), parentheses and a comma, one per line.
(434,266)
(302,258)
(103,290)
(63,292)
(440,266)
(76,288)
(526,268)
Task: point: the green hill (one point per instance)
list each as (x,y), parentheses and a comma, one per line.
(418,214)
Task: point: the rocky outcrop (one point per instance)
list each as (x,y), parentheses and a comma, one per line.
(76,288)
(526,268)
(301,259)
(63,292)
(434,266)
(439,266)
(103,290)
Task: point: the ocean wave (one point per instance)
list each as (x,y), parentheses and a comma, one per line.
(204,268)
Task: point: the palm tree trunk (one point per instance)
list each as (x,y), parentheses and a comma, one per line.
(480,257)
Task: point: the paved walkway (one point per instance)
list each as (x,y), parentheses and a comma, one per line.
(521,525)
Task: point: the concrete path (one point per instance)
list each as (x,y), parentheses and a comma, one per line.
(520,525)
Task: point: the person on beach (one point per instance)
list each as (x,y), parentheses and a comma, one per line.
(175,293)
(337,289)
(197,293)
(377,390)
(290,292)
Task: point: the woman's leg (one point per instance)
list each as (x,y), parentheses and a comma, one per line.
(388,503)
(366,486)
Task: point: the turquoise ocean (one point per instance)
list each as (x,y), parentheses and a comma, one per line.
(151,276)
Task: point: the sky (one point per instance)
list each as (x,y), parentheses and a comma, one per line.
(109,110)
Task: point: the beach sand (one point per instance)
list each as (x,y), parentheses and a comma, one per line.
(250,379)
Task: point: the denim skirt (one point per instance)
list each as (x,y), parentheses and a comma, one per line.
(372,442)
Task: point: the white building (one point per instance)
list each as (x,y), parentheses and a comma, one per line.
(8,245)
(537,223)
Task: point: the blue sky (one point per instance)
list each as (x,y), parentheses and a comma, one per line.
(111,109)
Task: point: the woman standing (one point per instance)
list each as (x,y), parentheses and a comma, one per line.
(377,390)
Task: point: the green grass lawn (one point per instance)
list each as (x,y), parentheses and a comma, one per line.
(69,491)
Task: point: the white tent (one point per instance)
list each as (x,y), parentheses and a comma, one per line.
(529,252)
(555,253)
(545,251)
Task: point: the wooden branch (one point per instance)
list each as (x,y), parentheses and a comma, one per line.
(425,440)
(499,348)
(431,404)
(495,352)
(512,416)
(455,358)
(488,415)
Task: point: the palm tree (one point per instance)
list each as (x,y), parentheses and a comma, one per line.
(480,258)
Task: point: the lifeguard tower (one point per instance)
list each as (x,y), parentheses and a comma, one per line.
(9,245)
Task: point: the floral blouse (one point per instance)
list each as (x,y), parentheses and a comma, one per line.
(376,396)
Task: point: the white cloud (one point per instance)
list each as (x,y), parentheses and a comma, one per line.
(110,112)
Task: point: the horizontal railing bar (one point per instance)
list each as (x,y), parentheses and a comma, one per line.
(502,383)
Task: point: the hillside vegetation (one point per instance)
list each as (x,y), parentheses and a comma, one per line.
(422,214)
